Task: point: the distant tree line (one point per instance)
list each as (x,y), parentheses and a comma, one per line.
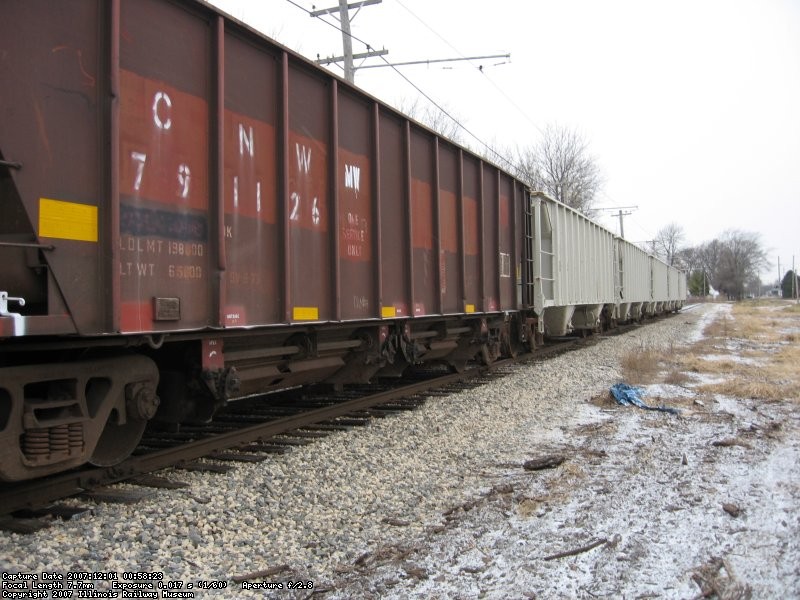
(789,288)
(730,263)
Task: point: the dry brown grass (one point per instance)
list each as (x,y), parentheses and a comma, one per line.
(754,330)
(642,366)
(774,372)
(719,328)
(677,377)
(740,388)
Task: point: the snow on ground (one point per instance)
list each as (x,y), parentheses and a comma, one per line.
(651,487)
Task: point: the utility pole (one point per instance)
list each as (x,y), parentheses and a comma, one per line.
(348,57)
(347,40)
(621,223)
(620,214)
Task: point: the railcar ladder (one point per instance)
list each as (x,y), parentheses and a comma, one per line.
(540,262)
(619,283)
(530,254)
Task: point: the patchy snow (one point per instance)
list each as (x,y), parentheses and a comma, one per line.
(708,313)
(649,486)
(743,360)
(664,390)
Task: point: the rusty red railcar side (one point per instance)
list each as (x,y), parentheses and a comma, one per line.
(176,186)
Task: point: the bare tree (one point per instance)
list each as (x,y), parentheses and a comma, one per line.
(743,258)
(732,262)
(561,165)
(440,119)
(688,257)
(667,243)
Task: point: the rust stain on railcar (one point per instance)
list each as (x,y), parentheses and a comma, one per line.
(422,251)
(354,181)
(490,259)
(450,277)
(395,253)
(163,143)
(251,230)
(250,184)
(472,282)
(163,202)
(308,228)
(310,275)
(164,158)
(52,91)
(424,261)
(505,247)
(355,236)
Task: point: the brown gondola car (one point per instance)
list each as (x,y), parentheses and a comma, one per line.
(190,213)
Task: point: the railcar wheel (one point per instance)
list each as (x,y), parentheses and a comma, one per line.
(458,366)
(117,442)
(489,353)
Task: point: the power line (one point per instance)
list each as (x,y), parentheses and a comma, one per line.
(482,71)
(435,60)
(415,86)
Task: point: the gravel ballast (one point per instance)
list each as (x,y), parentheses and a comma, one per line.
(435,503)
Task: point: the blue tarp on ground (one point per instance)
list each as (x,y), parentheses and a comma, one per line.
(628,395)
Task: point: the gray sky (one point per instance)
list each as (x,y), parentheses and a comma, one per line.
(691,107)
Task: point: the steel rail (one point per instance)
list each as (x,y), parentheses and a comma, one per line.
(38,493)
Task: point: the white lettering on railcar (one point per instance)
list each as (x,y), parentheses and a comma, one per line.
(140,158)
(137,269)
(315,214)
(162,98)
(352,177)
(303,158)
(246,141)
(184,177)
(129,243)
(294,214)
(236,194)
(505,264)
(355,234)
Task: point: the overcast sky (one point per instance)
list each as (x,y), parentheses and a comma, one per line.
(691,107)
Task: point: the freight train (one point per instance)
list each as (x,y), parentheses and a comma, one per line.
(191,213)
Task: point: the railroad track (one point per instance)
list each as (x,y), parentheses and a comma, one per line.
(234,429)
(248,431)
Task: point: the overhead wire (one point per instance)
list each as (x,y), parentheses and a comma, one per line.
(444,111)
(478,67)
